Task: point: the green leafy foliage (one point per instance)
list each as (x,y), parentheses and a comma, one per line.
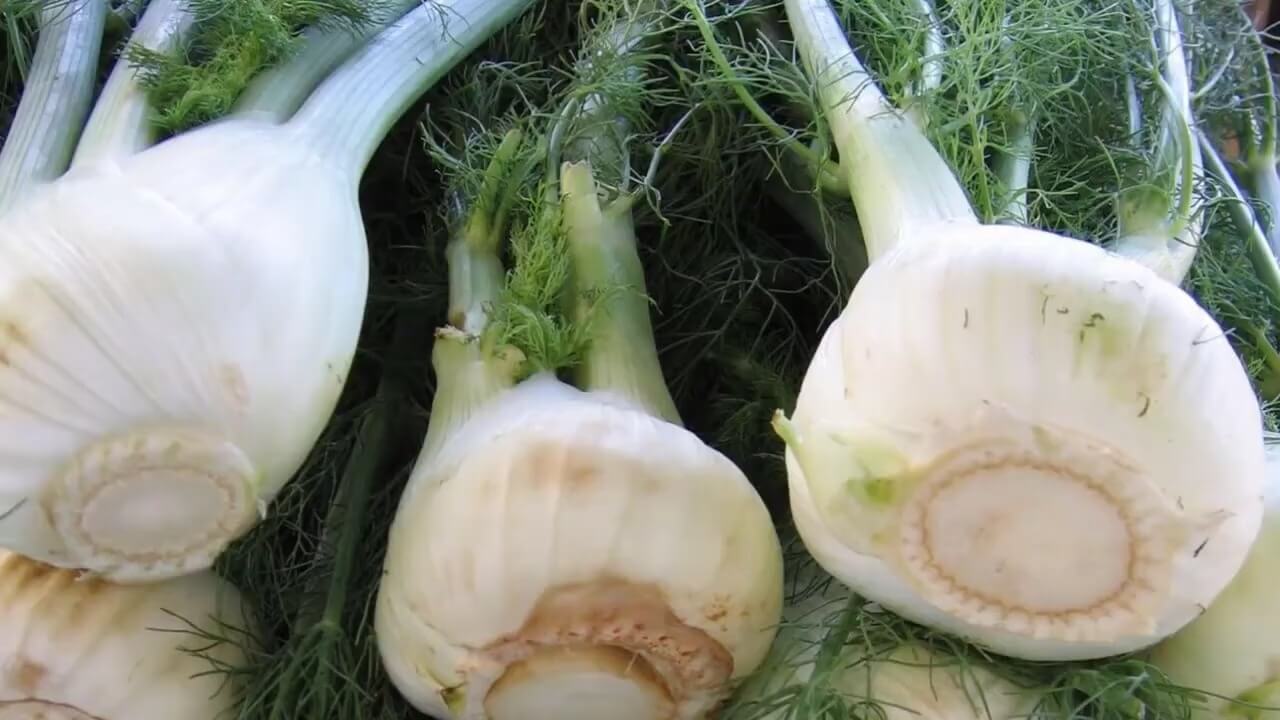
(232,42)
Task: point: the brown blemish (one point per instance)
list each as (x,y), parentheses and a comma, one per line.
(14,333)
(554,464)
(28,674)
(629,616)
(717,610)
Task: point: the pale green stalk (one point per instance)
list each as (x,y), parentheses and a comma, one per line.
(1012,165)
(931,72)
(1165,235)
(607,276)
(120,124)
(469,370)
(1259,252)
(622,357)
(897,179)
(56,98)
(278,92)
(348,116)
(1259,144)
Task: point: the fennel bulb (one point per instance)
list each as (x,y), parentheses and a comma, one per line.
(1006,435)
(1232,650)
(177,322)
(75,648)
(823,662)
(569,552)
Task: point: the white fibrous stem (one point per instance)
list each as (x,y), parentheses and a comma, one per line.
(279,91)
(1030,467)
(177,321)
(120,124)
(55,100)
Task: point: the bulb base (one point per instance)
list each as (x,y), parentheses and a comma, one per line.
(1063,541)
(152,504)
(580,683)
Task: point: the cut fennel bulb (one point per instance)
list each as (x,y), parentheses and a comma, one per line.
(1009,435)
(567,555)
(75,648)
(564,553)
(1232,651)
(822,660)
(176,324)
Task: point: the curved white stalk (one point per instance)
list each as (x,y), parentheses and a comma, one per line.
(56,98)
(120,124)
(278,92)
(176,325)
(1005,435)
(73,648)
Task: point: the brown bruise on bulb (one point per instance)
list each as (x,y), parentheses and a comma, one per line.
(62,592)
(27,675)
(616,618)
(1119,586)
(12,337)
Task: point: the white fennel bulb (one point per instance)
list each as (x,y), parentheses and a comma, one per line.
(569,552)
(75,648)
(1231,652)
(826,658)
(176,323)
(567,555)
(1008,435)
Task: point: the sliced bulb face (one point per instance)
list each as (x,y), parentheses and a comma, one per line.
(174,333)
(562,554)
(1232,650)
(1028,442)
(73,648)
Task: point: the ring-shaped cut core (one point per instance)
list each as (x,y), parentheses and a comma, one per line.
(152,505)
(1070,545)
